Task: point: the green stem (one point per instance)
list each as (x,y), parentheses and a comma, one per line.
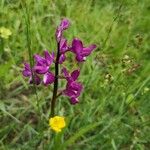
(56,81)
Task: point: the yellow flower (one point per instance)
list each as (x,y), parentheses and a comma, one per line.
(5,33)
(57,123)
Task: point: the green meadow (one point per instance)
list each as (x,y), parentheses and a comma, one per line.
(113,112)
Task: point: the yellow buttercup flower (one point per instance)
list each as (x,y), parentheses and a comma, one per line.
(5,33)
(57,123)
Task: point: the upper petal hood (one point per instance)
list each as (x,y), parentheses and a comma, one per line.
(77,46)
(63,45)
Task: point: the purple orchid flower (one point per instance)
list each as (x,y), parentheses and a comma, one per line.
(80,51)
(42,67)
(73,88)
(63,26)
(27,73)
(43,64)
(63,46)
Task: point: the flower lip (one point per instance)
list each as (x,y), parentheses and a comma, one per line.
(74,100)
(48,78)
(73,89)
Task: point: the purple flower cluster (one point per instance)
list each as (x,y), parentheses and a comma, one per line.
(41,72)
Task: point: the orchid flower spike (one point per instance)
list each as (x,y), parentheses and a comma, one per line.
(42,71)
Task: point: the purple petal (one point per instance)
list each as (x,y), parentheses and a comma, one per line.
(27,66)
(75,74)
(87,50)
(77,46)
(62,58)
(80,58)
(63,45)
(27,71)
(77,88)
(40,60)
(69,93)
(48,78)
(65,72)
(58,34)
(74,100)
(73,89)
(49,57)
(65,24)
(41,69)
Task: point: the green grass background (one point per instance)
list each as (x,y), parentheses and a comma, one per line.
(114,108)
